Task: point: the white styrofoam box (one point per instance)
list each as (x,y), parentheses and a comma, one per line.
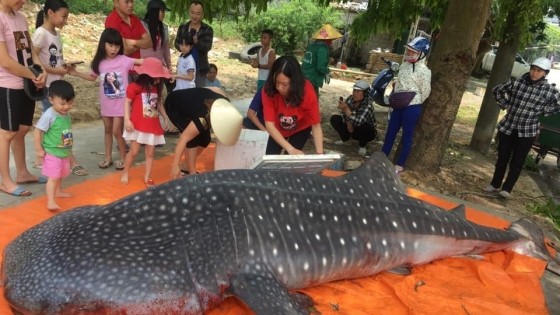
(250,148)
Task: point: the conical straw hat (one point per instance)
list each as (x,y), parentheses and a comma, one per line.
(226,121)
(327,32)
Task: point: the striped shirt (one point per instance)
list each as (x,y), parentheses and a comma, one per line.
(525,102)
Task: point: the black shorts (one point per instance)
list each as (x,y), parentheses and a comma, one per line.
(16,108)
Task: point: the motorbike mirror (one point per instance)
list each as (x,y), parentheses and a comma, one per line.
(395,67)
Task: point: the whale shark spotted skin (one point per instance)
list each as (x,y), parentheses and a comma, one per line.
(183,246)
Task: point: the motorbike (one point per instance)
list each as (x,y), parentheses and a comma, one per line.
(379,85)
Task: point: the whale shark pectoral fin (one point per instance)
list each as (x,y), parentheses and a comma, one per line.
(403,271)
(261,290)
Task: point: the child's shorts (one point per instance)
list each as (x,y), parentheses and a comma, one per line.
(55,167)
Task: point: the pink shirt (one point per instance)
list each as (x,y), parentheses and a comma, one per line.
(51,51)
(113,81)
(14,32)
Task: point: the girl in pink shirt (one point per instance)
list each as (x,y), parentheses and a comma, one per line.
(112,66)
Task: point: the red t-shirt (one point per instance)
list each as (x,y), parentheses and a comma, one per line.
(289,119)
(145,114)
(133,31)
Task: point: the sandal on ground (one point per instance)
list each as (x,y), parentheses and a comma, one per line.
(19,192)
(105,164)
(186,173)
(79,170)
(150,183)
(119,166)
(41,179)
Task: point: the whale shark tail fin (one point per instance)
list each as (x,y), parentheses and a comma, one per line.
(377,174)
(538,246)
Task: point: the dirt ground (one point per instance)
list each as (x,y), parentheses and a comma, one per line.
(463,172)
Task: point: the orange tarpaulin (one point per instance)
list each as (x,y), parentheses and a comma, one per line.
(500,283)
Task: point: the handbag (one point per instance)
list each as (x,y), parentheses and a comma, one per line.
(398,100)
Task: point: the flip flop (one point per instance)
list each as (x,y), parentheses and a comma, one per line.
(79,170)
(41,179)
(19,192)
(105,164)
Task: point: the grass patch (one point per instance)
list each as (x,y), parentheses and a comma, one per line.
(549,209)
(468,113)
(531,163)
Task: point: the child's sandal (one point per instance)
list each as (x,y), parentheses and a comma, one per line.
(150,183)
(119,166)
(105,164)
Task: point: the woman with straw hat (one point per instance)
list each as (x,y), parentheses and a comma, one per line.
(315,64)
(193,111)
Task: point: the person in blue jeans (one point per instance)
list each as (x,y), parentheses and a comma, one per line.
(412,88)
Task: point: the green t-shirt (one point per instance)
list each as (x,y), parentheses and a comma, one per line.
(57,137)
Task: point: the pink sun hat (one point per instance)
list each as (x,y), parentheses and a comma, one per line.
(152,67)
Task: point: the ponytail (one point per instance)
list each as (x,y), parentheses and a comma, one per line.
(40,18)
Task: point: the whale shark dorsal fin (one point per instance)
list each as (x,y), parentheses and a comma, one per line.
(378,173)
(460,210)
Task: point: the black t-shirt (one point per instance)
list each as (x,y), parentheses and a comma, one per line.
(184,106)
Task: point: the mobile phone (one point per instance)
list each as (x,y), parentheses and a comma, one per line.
(73,63)
(341,99)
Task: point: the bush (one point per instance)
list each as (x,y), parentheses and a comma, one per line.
(99,6)
(293,24)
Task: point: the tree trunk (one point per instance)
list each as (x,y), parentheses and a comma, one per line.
(489,111)
(451,64)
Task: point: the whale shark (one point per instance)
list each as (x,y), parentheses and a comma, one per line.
(183,246)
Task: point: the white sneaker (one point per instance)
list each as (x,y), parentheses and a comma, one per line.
(490,188)
(504,194)
(398,169)
(362,151)
(340,142)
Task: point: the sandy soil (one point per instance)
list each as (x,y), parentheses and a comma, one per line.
(463,172)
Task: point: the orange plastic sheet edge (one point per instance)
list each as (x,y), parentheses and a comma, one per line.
(499,283)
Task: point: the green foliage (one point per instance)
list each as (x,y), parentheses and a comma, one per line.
(293,23)
(225,28)
(396,16)
(97,6)
(549,209)
(216,8)
(552,33)
(526,13)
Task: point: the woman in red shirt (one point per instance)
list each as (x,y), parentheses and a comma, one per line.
(291,109)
